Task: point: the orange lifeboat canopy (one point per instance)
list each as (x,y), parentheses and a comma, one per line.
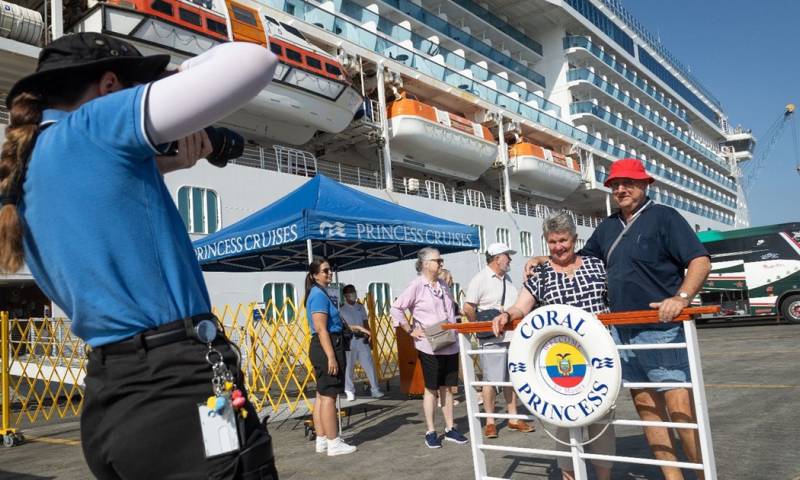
(537,170)
(426,138)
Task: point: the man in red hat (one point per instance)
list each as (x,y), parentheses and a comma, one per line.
(647,247)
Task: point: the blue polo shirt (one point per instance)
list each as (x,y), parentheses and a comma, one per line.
(649,262)
(319,302)
(103,237)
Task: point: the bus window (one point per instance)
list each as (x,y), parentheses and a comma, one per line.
(162,6)
(190,17)
(244,16)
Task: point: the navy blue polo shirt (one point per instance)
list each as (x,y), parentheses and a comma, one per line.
(103,237)
(649,262)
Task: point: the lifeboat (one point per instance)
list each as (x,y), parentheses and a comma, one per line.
(178,26)
(536,170)
(426,138)
(309,92)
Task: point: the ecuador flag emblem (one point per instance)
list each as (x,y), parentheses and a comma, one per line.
(565,364)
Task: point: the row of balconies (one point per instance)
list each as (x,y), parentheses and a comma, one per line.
(649,140)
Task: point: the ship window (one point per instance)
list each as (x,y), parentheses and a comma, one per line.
(190,17)
(280,303)
(292,30)
(294,55)
(271,20)
(332,69)
(216,27)
(502,236)
(199,209)
(526,244)
(481,237)
(382,294)
(243,15)
(162,6)
(276,49)
(314,63)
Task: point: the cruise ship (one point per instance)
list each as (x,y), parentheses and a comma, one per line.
(491,113)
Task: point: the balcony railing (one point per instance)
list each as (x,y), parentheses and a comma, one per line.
(444,27)
(612,91)
(499,24)
(273,159)
(601,176)
(644,34)
(411,49)
(642,136)
(585,43)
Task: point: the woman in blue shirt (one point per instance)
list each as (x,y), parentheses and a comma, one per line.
(85,206)
(327,355)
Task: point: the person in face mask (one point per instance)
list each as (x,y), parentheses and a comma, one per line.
(355,315)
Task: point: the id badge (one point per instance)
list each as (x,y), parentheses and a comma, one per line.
(219,431)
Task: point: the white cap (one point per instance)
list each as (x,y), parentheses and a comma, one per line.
(498,248)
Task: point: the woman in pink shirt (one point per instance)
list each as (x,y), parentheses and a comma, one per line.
(428,300)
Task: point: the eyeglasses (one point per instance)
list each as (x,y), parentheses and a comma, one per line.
(626,183)
(437,260)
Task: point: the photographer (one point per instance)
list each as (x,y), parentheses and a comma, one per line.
(85,206)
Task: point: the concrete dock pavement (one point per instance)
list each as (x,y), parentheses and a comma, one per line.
(752,384)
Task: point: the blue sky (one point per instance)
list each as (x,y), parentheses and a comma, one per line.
(746,53)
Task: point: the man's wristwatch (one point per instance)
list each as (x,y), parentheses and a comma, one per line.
(684,296)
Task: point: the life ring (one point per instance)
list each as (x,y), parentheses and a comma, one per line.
(564,366)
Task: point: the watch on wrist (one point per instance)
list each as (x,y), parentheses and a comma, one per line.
(684,296)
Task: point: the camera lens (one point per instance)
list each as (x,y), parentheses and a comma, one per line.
(226,145)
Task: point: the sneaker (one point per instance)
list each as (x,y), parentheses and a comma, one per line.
(454,435)
(378,394)
(432,440)
(521,426)
(337,446)
(322,444)
(350,396)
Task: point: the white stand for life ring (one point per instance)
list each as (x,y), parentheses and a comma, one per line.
(566,370)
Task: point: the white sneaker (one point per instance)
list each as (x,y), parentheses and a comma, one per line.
(350,396)
(322,444)
(337,446)
(378,394)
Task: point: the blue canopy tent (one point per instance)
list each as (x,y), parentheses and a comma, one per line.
(323,217)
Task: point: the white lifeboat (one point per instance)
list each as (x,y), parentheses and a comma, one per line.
(309,92)
(425,138)
(536,170)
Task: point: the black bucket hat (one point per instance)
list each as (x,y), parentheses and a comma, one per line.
(77,51)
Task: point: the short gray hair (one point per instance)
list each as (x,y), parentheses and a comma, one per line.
(560,222)
(422,255)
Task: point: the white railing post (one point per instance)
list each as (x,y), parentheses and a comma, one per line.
(476,434)
(699,397)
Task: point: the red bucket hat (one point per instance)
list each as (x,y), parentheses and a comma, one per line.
(628,168)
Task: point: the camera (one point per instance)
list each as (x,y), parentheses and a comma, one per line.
(225,143)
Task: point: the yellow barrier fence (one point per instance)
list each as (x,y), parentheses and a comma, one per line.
(44,364)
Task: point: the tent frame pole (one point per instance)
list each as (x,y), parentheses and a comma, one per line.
(310,250)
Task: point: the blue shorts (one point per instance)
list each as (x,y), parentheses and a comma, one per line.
(671,365)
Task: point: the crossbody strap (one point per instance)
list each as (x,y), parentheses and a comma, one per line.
(624,230)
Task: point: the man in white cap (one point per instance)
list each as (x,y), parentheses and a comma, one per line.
(489,293)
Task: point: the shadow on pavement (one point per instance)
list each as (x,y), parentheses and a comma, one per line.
(5,475)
